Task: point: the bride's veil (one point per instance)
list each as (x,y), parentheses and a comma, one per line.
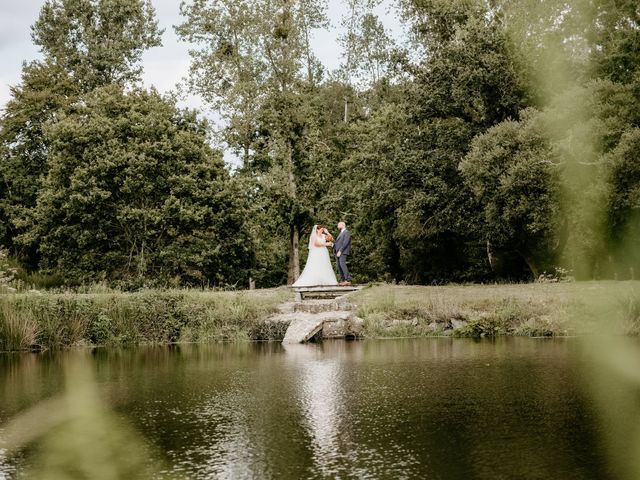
(312,237)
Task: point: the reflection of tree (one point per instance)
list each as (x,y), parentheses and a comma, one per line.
(25,378)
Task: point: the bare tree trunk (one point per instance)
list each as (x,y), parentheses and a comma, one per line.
(532,266)
(141,261)
(490,255)
(294,256)
(294,243)
(346,110)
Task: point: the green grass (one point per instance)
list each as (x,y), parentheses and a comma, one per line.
(538,309)
(49,320)
(105,317)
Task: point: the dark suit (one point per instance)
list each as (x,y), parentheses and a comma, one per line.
(343,245)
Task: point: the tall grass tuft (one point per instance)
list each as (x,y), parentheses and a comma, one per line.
(18,330)
(631,309)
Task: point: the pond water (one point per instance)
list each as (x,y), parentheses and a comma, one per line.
(414,408)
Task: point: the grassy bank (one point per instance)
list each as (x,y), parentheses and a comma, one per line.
(48,320)
(56,320)
(553,309)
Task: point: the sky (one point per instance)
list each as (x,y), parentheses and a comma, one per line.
(163,66)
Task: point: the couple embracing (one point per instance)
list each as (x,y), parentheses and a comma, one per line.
(318,270)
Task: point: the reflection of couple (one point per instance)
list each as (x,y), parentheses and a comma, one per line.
(318,270)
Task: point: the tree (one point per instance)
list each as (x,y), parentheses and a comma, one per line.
(46,90)
(367,50)
(414,211)
(85,44)
(624,203)
(585,124)
(134,192)
(97,42)
(615,36)
(255,63)
(549,41)
(555,186)
(515,176)
(471,74)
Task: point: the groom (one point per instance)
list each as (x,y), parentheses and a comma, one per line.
(342,249)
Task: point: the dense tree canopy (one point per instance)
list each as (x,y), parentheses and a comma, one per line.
(499,141)
(96,42)
(134,190)
(515,176)
(85,44)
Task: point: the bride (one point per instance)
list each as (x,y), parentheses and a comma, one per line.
(318,270)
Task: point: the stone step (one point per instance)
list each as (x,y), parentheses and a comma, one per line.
(287,307)
(350,326)
(304,326)
(302,329)
(318,306)
(324,292)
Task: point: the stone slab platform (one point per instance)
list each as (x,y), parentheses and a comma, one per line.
(304,326)
(324,291)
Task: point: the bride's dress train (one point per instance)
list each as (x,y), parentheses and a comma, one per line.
(318,271)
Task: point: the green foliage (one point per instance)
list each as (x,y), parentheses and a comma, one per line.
(85,44)
(415,219)
(515,176)
(134,190)
(497,143)
(617,36)
(584,125)
(624,202)
(46,90)
(7,272)
(254,62)
(471,74)
(97,42)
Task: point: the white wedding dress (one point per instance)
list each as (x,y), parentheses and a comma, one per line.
(318,271)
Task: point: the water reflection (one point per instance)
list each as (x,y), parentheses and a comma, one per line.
(422,408)
(225,422)
(321,397)
(77,435)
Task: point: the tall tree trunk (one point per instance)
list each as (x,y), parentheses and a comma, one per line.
(346,110)
(294,243)
(491,256)
(532,266)
(294,255)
